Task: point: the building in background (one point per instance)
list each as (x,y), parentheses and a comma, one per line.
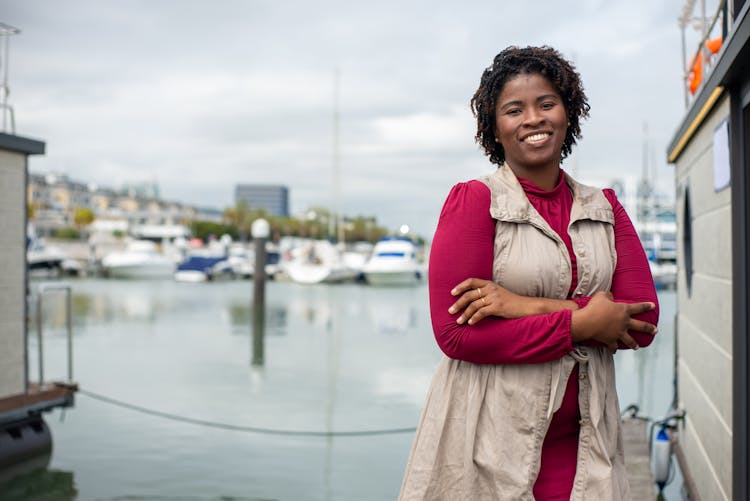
(711,154)
(273,198)
(54,199)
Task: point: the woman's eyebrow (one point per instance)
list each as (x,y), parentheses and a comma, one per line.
(518,102)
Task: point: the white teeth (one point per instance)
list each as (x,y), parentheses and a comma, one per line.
(536,137)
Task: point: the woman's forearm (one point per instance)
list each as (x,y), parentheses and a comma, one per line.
(463,247)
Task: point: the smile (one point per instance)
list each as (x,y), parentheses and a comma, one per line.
(535,138)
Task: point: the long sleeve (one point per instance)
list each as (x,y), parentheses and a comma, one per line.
(631,281)
(463,248)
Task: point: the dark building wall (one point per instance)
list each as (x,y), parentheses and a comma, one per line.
(272,198)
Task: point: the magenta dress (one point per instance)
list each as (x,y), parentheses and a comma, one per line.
(463,248)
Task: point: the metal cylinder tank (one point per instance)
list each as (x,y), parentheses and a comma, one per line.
(24,439)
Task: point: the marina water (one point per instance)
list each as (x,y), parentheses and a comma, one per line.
(338,358)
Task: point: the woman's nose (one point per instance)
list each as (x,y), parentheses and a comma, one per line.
(533,117)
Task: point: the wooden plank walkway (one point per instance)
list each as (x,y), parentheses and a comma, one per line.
(637,461)
(38,399)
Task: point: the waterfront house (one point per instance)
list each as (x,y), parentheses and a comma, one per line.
(711,154)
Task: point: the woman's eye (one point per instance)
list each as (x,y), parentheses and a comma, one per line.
(548,106)
(514,111)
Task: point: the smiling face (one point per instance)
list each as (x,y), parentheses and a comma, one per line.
(531,123)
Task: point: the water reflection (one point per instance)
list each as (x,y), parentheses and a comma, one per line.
(381,311)
(241,318)
(337,358)
(96,309)
(31,481)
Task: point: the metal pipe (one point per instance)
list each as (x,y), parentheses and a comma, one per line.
(69,324)
(43,288)
(39,334)
(684,56)
(6,52)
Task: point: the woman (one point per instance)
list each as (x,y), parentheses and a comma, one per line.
(535,282)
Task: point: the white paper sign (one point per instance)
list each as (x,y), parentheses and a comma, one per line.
(721,155)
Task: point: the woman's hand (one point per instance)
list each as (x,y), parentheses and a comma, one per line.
(608,322)
(479,298)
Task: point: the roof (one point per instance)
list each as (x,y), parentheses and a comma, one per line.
(21,144)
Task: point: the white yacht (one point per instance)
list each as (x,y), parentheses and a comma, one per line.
(318,261)
(393,262)
(141,259)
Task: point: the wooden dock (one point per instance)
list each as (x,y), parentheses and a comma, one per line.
(36,400)
(637,461)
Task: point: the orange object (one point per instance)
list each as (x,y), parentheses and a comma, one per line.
(696,74)
(714,45)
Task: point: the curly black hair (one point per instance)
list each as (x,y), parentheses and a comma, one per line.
(514,61)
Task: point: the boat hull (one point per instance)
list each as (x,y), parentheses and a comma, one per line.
(141,271)
(392,278)
(316,274)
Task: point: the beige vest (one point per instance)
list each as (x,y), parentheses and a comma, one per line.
(482,428)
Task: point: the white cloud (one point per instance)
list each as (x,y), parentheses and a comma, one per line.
(426,130)
(202,98)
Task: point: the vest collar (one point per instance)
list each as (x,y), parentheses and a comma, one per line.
(510,203)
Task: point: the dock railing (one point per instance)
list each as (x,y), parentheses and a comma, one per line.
(41,291)
(701,62)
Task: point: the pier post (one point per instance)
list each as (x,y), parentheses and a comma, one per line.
(260,230)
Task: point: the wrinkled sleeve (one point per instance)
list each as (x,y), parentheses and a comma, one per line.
(632,281)
(463,248)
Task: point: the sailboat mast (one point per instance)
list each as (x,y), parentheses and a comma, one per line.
(336,217)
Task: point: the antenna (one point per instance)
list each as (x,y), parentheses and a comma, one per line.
(6,31)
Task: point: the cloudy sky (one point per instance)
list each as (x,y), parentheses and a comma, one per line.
(201,95)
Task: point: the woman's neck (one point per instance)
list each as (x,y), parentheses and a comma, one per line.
(545,178)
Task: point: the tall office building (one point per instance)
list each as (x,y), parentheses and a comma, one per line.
(274,198)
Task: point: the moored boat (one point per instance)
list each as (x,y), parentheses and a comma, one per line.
(204,269)
(317,262)
(393,262)
(140,259)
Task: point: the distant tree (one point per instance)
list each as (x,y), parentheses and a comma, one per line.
(364,229)
(241,217)
(82,218)
(68,233)
(30,211)
(204,229)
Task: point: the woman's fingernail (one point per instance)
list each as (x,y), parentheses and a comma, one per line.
(636,347)
(451,310)
(453,292)
(460,320)
(656,330)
